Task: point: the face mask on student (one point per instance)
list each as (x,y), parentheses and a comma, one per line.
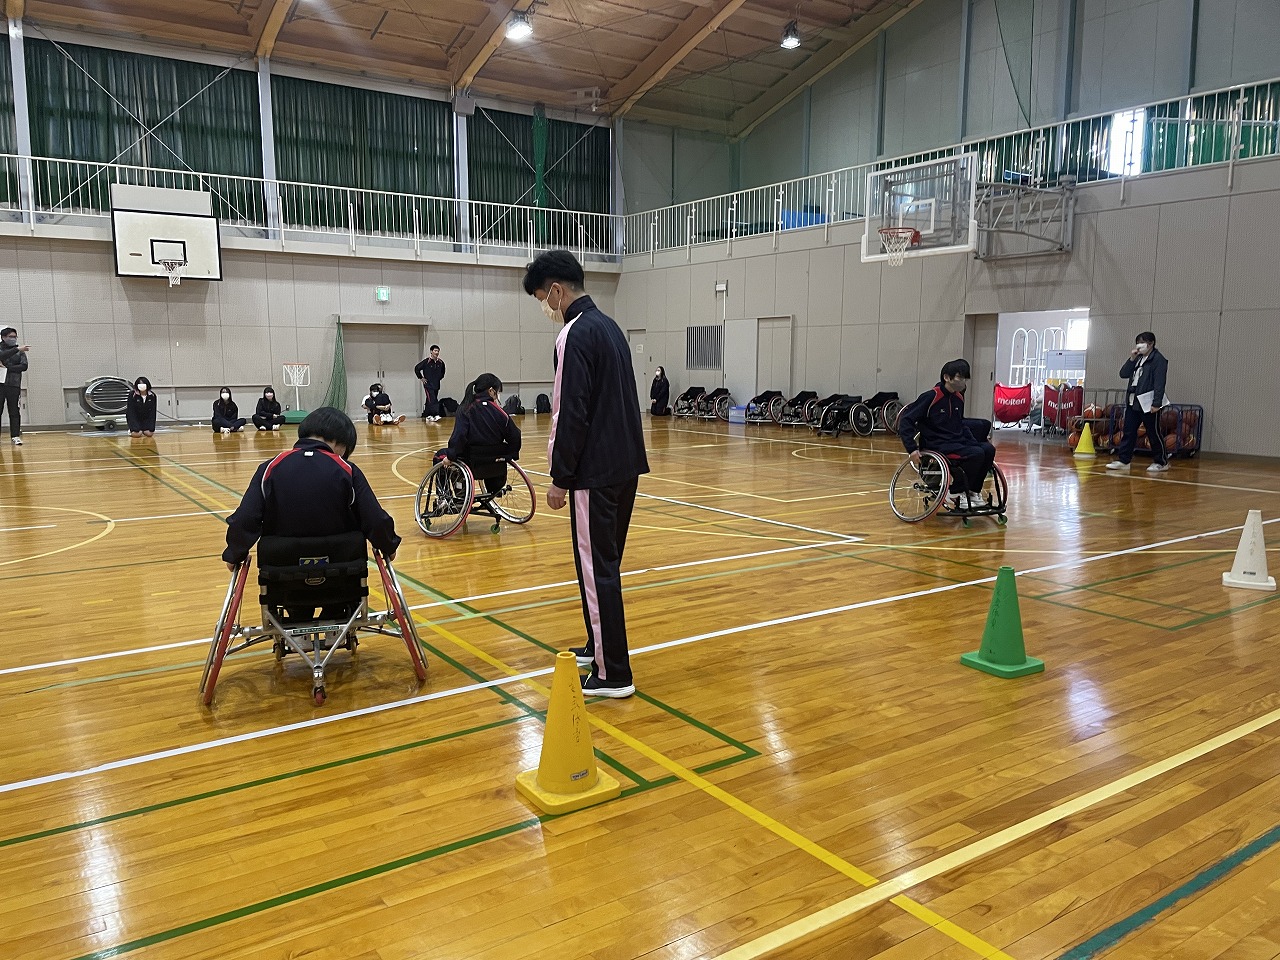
(1144,348)
(142,387)
(270,396)
(551,314)
(226,396)
(9,341)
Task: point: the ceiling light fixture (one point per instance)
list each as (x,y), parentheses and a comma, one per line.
(519,27)
(790,36)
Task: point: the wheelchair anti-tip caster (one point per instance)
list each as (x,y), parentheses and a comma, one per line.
(495,529)
(319,696)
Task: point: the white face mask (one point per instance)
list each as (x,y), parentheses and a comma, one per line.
(270,396)
(142,388)
(226,396)
(1144,348)
(551,314)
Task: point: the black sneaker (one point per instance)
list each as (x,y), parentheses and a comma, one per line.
(593,686)
(584,656)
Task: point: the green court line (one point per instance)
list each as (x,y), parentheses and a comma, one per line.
(165,483)
(294,896)
(263,781)
(209,480)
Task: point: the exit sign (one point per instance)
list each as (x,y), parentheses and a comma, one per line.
(382,294)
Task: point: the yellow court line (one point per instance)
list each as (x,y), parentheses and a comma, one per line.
(890,890)
(798,840)
(172,478)
(110,525)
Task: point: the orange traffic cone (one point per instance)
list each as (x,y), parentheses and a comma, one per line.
(567,778)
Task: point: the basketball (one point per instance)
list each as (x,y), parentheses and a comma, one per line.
(1103,441)
(1188,442)
(1171,443)
(1143,443)
(1168,420)
(1189,419)
(1073,439)
(1090,411)
(1142,430)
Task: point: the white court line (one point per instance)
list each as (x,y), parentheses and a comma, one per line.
(102,656)
(260,734)
(848,537)
(45,526)
(272,731)
(887,890)
(632,573)
(421,606)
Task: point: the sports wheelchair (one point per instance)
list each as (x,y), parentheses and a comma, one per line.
(835,416)
(917,493)
(295,576)
(795,412)
(451,492)
(766,407)
(714,405)
(686,403)
(879,413)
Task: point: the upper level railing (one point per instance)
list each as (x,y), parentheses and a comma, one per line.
(1219,127)
(38,190)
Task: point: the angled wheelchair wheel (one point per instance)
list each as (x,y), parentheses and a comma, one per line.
(516,502)
(889,414)
(444,499)
(775,409)
(810,412)
(916,494)
(999,493)
(400,610)
(861,420)
(722,407)
(222,633)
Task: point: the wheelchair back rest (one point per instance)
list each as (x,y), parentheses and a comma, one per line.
(317,570)
(692,393)
(487,461)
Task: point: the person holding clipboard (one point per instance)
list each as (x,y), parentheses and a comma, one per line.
(1146,370)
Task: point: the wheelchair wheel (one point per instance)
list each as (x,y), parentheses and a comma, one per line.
(861,420)
(516,502)
(810,412)
(722,406)
(775,409)
(999,493)
(889,415)
(916,494)
(444,499)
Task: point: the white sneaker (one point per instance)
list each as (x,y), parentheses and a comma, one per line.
(226,429)
(275,426)
(260,429)
(1117,465)
(17,441)
(1157,468)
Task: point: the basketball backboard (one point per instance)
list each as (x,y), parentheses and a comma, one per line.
(154,228)
(935,197)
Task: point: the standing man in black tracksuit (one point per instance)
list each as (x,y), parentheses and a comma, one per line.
(596,455)
(431,372)
(311,491)
(1146,370)
(14,360)
(937,415)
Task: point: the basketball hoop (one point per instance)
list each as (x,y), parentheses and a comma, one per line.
(297,375)
(896,240)
(174,269)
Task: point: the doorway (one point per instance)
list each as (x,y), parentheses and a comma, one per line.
(385,353)
(640,365)
(1042,347)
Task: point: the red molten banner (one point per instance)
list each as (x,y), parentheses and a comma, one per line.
(1011,404)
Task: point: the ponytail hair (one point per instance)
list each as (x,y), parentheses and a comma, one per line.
(478,388)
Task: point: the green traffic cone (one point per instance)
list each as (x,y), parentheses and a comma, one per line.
(1003,653)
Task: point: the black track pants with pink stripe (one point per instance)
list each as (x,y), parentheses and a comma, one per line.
(599,518)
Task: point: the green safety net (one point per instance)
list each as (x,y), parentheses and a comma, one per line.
(1016,19)
(336,394)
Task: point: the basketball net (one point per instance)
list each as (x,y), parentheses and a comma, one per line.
(174,269)
(896,240)
(297,375)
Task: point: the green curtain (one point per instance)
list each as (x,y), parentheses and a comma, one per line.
(74,118)
(367,141)
(503,151)
(8,133)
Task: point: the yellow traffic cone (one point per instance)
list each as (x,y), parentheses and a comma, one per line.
(1085,447)
(566,778)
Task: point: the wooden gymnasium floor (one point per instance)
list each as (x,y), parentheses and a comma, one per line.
(808,770)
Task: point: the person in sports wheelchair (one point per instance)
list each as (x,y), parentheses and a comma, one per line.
(312,514)
(483,447)
(950,455)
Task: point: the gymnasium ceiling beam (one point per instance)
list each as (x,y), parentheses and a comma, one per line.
(817,66)
(266,25)
(670,52)
(487,39)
